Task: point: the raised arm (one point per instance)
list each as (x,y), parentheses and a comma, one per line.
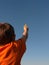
(21,41)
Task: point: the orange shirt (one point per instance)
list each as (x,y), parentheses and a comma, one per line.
(11,53)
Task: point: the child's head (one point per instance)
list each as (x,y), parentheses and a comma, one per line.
(6,33)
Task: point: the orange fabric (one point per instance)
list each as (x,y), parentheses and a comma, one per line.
(11,53)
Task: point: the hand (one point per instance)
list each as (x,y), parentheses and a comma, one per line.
(25,28)
(25,33)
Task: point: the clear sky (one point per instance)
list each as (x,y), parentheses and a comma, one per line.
(35,13)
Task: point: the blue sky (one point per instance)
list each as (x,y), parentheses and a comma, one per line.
(35,13)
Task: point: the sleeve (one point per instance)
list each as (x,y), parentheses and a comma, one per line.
(22,46)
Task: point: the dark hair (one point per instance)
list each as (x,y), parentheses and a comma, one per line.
(6,33)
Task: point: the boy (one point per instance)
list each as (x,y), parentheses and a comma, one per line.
(11,50)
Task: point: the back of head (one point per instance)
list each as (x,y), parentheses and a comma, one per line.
(6,33)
